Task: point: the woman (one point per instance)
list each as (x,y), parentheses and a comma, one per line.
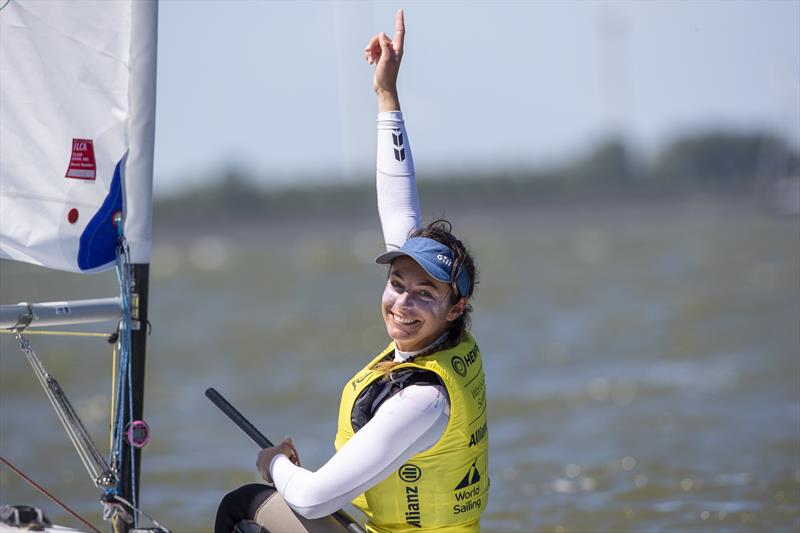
(411,444)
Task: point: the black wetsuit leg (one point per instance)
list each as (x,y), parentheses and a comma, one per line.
(241,505)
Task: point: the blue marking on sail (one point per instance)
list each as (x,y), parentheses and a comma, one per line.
(98,241)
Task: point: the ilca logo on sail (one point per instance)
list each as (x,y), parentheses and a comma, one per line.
(467,492)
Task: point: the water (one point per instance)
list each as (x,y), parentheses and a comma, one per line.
(643,364)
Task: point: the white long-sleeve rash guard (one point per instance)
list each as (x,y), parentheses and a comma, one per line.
(407,423)
(398,202)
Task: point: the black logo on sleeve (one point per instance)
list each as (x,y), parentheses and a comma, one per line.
(399,149)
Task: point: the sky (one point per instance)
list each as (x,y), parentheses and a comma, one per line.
(281,91)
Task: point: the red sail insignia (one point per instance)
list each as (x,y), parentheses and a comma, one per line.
(82,165)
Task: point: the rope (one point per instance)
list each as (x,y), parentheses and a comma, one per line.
(60,333)
(92,459)
(124,389)
(114,353)
(46,493)
(140,512)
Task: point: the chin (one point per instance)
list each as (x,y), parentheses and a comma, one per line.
(400,337)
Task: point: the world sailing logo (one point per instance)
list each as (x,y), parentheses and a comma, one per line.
(470,478)
(468,491)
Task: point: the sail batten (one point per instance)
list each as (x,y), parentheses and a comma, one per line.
(77,121)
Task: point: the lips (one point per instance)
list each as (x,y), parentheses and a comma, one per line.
(403,321)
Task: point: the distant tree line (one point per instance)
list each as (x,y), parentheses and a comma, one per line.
(712,162)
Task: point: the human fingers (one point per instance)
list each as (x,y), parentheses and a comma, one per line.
(373,49)
(262,463)
(399,32)
(385,46)
(287,448)
(293,454)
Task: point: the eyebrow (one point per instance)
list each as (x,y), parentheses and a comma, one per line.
(426,283)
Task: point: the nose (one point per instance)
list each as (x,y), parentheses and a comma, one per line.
(403,300)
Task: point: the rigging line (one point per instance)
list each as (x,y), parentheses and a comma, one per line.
(91,457)
(125,375)
(60,333)
(139,511)
(114,353)
(46,493)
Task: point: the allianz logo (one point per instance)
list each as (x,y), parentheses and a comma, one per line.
(478,435)
(413,514)
(444,259)
(411,473)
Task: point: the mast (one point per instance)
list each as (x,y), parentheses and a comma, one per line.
(130,473)
(138,226)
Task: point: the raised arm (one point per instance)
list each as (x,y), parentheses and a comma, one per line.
(398,202)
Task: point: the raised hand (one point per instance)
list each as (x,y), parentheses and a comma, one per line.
(387,54)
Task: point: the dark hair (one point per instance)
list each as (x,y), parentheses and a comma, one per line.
(441,230)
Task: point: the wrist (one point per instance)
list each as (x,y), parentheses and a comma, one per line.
(387,100)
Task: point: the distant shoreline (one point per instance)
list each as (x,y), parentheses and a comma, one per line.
(333,220)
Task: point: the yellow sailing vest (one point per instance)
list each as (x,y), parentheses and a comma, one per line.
(446,487)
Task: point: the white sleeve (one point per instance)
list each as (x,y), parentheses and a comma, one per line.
(398,202)
(406,424)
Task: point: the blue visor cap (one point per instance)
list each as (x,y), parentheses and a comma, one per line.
(434,257)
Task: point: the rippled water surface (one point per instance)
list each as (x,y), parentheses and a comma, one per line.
(643,365)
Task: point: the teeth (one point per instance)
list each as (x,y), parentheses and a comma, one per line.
(403,320)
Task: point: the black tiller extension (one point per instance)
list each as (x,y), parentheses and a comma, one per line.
(262,441)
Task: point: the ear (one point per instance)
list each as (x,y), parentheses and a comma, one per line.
(457,309)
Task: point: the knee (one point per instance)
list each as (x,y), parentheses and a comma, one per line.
(244,501)
(236,495)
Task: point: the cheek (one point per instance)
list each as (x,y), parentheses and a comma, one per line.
(432,310)
(388,297)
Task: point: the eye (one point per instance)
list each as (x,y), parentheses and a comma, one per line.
(425,294)
(395,284)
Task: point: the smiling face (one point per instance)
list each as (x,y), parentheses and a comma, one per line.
(416,308)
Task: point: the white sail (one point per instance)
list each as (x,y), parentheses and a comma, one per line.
(77,120)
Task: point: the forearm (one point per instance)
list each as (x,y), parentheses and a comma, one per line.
(396,184)
(311,494)
(388,100)
(406,424)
